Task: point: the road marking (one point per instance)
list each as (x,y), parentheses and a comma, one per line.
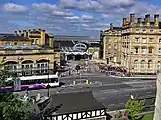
(149,92)
(103,98)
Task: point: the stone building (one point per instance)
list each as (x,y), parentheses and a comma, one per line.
(141,44)
(111,44)
(28,52)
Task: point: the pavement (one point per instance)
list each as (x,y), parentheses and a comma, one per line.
(110,91)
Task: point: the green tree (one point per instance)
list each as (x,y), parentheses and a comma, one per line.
(12,106)
(134,107)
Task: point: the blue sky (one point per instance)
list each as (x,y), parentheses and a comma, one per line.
(72,17)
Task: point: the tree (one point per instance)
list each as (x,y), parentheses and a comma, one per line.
(134,107)
(12,106)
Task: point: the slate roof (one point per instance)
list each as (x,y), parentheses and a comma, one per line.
(16,38)
(74,38)
(74,102)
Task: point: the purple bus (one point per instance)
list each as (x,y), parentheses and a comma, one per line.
(33,82)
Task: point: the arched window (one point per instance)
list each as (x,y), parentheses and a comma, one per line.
(136,64)
(142,64)
(150,64)
(158,65)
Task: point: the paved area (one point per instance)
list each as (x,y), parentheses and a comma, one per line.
(112,92)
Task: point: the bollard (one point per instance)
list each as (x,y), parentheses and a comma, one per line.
(73,82)
(87,82)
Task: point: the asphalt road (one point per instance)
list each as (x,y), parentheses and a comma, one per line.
(112,92)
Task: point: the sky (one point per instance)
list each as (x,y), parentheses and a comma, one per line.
(71,17)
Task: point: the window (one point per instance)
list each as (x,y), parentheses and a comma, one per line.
(32,42)
(151,30)
(137,39)
(158,65)
(151,39)
(144,30)
(137,30)
(136,64)
(149,64)
(136,50)
(36,42)
(15,43)
(144,50)
(159,40)
(142,64)
(144,40)
(150,50)
(159,50)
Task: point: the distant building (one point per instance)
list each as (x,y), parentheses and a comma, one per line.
(112,44)
(73,106)
(76,47)
(157,114)
(28,52)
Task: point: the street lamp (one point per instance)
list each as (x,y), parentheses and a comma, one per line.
(48,80)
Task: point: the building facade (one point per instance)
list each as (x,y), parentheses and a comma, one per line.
(141,44)
(28,53)
(111,44)
(157,114)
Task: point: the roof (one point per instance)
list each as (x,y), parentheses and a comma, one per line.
(114,28)
(16,38)
(74,102)
(6,34)
(74,38)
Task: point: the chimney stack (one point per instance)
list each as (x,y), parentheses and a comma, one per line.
(29,33)
(19,32)
(16,33)
(24,33)
(139,21)
(156,20)
(42,34)
(124,22)
(111,26)
(132,18)
(147,19)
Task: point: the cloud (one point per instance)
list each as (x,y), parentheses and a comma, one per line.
(72,17)
(52,9)
(87,17)
(14,8)
(103,6)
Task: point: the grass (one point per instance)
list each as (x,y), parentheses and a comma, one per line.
(148,116)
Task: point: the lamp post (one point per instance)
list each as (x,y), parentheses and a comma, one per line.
(48,80)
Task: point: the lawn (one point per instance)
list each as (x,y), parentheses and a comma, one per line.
(148,116)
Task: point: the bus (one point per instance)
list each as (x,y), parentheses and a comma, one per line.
(32,82)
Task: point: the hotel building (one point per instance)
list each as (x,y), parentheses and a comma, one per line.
(29,52)
(141,44)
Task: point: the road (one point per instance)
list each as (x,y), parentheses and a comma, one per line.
(110,91)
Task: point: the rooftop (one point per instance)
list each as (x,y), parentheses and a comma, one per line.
(13,37)
(73,102)
(74,38)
